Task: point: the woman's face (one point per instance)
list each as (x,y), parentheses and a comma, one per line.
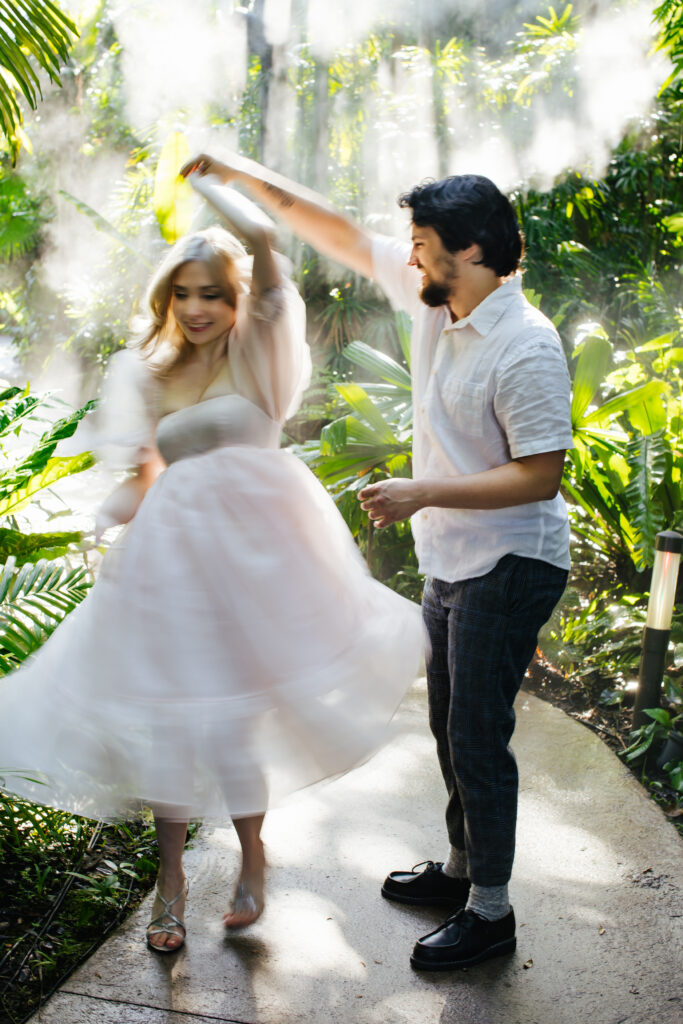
(202,313)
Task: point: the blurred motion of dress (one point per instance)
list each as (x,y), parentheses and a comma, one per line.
(234,648)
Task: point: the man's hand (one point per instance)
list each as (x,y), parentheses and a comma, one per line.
(204,164)
(302,211)
(390,500)
(518,482)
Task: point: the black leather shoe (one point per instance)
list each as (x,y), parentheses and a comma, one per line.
(464,940)
(427,887)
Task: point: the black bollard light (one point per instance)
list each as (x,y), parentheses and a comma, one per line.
(668,547)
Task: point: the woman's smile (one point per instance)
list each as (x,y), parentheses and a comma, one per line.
(199,306)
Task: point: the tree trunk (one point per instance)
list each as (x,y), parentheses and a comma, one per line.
(258,48)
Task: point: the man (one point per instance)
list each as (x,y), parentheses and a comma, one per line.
(492,397)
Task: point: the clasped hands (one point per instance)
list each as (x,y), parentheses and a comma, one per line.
(203,164)
(390,501)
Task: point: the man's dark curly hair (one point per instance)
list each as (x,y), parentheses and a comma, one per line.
(468,208)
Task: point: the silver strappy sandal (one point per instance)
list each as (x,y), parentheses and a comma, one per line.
(167,923)
(244,902)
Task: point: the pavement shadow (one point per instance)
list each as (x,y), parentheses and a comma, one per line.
(599,925)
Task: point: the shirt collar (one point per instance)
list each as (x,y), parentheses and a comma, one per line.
(486,315)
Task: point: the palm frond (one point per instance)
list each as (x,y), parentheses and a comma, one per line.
(33,601)
(34,35)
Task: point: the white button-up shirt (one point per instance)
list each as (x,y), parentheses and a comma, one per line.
(487,389)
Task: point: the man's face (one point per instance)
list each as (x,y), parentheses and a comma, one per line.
(438,266)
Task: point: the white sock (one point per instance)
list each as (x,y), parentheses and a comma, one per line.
(489,901)
(456,864)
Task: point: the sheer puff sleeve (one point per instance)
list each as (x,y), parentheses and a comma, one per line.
(126,436)
(270,361)
(127,415)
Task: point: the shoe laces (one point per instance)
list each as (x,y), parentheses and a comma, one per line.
(429,865)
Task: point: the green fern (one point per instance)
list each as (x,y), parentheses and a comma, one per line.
(33,602)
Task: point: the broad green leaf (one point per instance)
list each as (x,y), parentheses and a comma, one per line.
(397,465)
(648,416)
(629,400)
(333,437)
(15,411)
(619,466)
(377,362)
(674,222)
(648,463)
(361,433)
(659,715)
(672,357)
(355,396)
(663,341)
(173,200)
(15,499)
(593,362)
(403,329)
(31,546)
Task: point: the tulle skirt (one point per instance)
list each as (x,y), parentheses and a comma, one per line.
(234,649)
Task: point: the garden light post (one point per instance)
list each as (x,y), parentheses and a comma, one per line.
(668,547)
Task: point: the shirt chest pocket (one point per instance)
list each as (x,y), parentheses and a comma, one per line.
(463,404)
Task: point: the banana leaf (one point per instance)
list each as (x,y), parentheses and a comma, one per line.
(173,200)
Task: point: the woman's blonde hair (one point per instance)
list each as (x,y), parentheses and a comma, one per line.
(157,334)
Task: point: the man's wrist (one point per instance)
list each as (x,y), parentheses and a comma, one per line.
(437,493)
(422,494)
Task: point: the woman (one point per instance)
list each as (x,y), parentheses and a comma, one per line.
(234,648)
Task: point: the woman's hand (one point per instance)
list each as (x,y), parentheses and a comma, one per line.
(204,164)
(120,506)
(390,500)
(123,502)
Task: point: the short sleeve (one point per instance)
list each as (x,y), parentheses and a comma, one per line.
(400,282)
(127,415)
(532,400)
(270,361)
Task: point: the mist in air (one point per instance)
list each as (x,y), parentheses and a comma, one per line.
(185,66)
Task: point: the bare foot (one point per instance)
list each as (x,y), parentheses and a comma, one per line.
(248,901)
(166,931)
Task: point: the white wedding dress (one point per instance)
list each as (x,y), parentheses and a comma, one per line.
(234,647)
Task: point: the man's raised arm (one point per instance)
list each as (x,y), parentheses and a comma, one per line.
(304,212)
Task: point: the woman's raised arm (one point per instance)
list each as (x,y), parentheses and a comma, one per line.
(247,220)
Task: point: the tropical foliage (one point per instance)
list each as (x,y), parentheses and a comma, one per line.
(34,35)
(604,241)
(371,439)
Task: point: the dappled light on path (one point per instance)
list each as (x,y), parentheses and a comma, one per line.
(328,949)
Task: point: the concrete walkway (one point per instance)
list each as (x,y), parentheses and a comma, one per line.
(596,890)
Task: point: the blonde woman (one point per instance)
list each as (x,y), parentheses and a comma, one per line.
(234,648)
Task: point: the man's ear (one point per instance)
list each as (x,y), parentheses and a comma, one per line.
(472,253)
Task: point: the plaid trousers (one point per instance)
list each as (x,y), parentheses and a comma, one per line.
(483,634)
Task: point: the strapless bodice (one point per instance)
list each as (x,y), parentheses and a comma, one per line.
(215,423)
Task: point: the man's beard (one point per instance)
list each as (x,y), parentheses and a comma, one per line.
(433,294)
